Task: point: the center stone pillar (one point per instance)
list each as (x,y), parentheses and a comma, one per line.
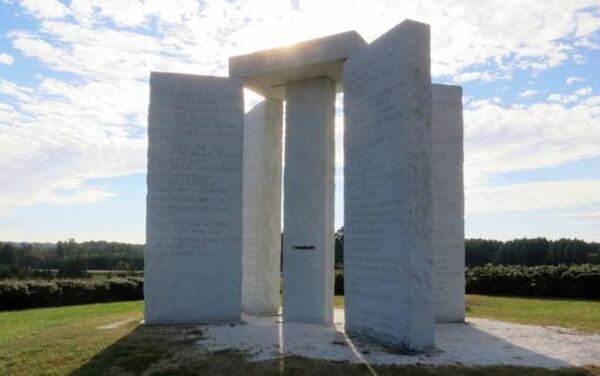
(308,242)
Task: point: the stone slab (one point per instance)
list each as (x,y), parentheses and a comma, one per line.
(266,72)
(388,261)
(308,243)
(448,204)
(261,260)
(194,202)
(480,342)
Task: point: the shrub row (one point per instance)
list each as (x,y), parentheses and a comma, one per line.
(572,281)
(561,281)
(17,294)
(339,282)
(568,281)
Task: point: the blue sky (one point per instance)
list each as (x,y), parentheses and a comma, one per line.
(74,97)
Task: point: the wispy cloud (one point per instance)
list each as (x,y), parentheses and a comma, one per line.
(89,121)
(511,138)
(528,93)
(45,9)
(479,76)
(6,59)
(520,198)
(573,79)
(571,98)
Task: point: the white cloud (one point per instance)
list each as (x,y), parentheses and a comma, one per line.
(587,24)
(579,59)
(62,132)
(45,9)
(584,92)
(6,59)
(132,13)
(463,35)
(573,79)
(519,198)
(528,93)
(483,102)
(586,43)
(503,139)
(479,76)
(571,98)
(562,98)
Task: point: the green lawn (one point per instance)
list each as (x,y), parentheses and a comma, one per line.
(583,315)
(54,341)
(76,340)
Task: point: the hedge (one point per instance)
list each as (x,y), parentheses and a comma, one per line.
(564,281)
(339,282)
(570,281)
(18,294)
(561,281)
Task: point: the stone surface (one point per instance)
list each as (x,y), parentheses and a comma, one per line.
(448,204)
(261,260)
(194,203)
(388,257)
(478,342)
(308,242)
(267,72)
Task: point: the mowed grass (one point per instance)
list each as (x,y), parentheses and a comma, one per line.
(55,341)
(106,339)
(583,315)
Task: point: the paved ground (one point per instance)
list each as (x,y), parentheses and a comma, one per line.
(478,342)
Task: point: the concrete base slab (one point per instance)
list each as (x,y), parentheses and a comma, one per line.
(478,342)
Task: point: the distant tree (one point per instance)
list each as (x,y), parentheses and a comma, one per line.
(480,251)
(339,248)
(122,265)
(33,260)
(8,254)
(73,268)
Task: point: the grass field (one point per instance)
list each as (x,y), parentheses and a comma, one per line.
(583,315)
(84,340)
(54,341)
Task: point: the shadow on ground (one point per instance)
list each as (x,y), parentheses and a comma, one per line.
(177,350)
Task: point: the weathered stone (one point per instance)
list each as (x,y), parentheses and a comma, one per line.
(448,204)
(194,202)
(261,260)
(388,261)
(309,199)
(268,71)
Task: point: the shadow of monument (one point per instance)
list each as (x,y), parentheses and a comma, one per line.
(134,352)
(458,344)
(282,347)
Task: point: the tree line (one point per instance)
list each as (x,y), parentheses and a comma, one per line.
(71,258)
(526,251)
(531,252)
(67,258)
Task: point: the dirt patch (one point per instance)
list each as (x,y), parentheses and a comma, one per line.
(116,324)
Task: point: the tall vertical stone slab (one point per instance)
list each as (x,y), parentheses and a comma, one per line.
(261,260)
(194,203)
(308,242)
(388,256)
(448,204)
